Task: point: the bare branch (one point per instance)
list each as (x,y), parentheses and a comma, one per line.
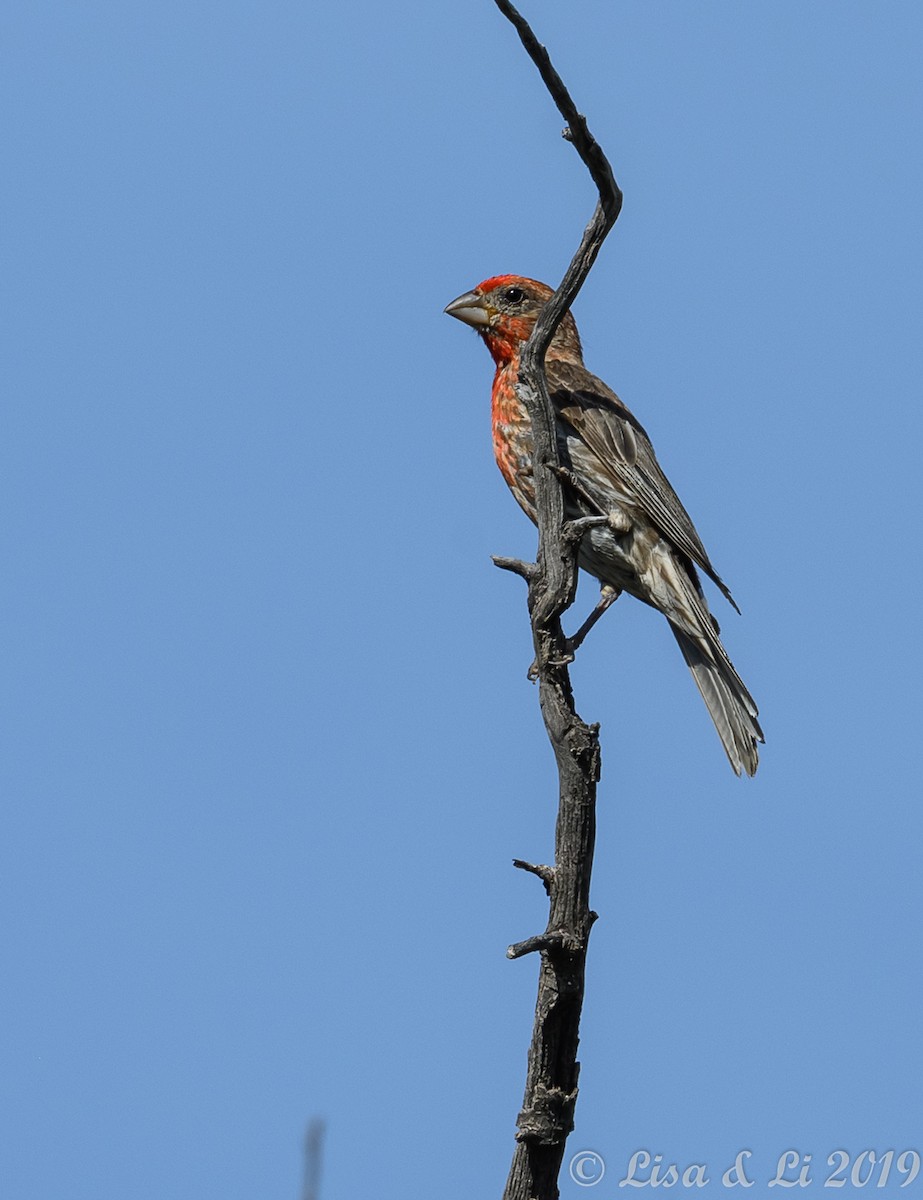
(526,570)
(576,132)
(542,942)
(545,874)
(547,1113)
(610,194)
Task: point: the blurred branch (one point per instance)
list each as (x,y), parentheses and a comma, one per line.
(313,1148)
(547,1115)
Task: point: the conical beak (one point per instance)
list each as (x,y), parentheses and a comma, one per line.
(471,309)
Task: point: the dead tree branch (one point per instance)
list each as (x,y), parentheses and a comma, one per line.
(547,1114)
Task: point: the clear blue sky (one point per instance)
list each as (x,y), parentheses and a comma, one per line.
(267,743)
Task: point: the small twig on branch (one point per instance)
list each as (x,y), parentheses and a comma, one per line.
(525,569)
(547,1114)
(545,874)
(541,942)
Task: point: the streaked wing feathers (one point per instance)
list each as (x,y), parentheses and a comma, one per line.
(624,453)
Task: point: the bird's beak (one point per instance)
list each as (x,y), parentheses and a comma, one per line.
(471,309)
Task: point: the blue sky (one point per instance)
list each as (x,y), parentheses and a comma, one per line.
(267,743)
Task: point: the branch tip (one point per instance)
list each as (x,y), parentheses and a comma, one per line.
(540,944)
(525,570)
(544,873)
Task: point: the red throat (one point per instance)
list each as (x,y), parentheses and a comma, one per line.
(503,349)
(504,340)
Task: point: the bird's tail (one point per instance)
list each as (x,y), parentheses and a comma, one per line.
(729,703)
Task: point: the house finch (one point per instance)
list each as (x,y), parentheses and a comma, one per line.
(649,546)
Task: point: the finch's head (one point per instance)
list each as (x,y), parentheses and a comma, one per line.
(504,310)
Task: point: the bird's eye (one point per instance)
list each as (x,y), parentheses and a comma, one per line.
(514,295)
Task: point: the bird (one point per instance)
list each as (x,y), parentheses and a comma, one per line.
(648,546)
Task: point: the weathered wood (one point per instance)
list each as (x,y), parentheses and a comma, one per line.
(547,1114)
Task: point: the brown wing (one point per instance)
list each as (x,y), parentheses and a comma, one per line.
(624,453)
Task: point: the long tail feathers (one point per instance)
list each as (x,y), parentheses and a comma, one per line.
(729,703)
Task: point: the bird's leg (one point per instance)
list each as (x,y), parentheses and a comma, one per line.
(607,596)
(619,522)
